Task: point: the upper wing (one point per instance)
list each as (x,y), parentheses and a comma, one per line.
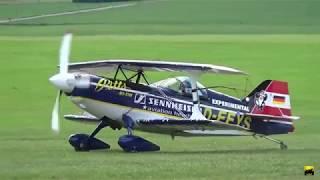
(93,66)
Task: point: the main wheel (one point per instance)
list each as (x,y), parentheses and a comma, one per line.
(80,142)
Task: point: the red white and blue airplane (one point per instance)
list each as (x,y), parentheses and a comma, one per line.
(178,106)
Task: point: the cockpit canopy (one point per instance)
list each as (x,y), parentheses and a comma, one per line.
(181,85)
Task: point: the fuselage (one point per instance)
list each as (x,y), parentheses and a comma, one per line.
(112,98)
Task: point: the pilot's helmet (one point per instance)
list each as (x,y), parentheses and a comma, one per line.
(185,87)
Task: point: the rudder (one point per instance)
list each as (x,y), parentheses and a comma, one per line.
(272,98)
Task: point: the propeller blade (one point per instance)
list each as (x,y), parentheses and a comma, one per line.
(65,53)
(55,114)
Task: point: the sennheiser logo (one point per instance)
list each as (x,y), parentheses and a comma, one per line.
(140,99)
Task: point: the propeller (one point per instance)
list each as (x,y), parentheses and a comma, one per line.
(65,53)
(55,125)
(58,78)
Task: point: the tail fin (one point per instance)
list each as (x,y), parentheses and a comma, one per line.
(270,98)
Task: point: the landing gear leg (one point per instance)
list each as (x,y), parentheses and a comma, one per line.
(101,125)
(84,142)
(283,146)
(131,143)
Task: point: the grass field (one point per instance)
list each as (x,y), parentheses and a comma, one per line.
(267,39)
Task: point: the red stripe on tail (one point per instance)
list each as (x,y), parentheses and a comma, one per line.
(280,87)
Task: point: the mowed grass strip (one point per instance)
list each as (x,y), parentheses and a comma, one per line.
(30,150)
(35,8)
(169,17)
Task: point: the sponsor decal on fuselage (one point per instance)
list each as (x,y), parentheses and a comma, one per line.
(126,94)
(260,99)
(169,104)
(230,105)
(140,98)
(165,106)
(227,117)
(161,105)
(108,84)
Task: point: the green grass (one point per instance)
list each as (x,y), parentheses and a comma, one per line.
(192,31)
(33,151)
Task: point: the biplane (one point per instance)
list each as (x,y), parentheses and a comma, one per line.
(177,106)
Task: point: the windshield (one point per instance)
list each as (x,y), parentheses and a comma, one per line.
(181,84)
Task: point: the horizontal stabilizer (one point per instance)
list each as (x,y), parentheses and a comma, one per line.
(266,116)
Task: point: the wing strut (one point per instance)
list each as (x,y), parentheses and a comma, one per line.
(137,74)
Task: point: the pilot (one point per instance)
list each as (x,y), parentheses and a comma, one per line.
(185,88)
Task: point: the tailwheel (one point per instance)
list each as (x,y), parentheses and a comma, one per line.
(283,146)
